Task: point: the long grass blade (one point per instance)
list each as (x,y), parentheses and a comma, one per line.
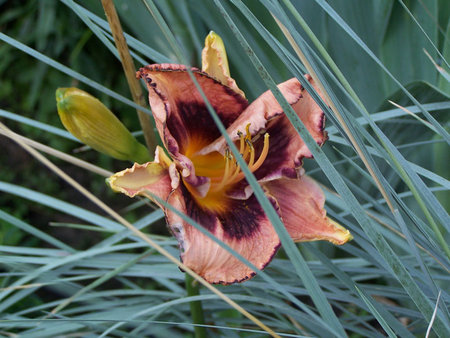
(385,250)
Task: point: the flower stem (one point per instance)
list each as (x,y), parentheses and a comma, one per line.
(130,73)
(192,289)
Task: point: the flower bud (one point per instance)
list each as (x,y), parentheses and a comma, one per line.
(92,123)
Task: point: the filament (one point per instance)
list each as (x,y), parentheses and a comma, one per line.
(233,173)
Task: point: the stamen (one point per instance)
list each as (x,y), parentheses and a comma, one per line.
(233,173)
(241,138)
(247,149)
(228,171)
(252,155)
(236,172)
(254,166)
(263,155)
(247,131)
(227,164)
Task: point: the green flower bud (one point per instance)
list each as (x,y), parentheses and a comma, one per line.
(92,123)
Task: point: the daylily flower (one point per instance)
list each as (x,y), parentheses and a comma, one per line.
(202,179)
(86,118)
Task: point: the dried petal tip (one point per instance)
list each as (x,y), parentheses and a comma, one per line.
(92,123)
(215,61)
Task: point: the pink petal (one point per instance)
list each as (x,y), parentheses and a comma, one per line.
(245,228)
(181,115)
(301,203)
(159,178)
(313,117)
(258,113)
(286,149)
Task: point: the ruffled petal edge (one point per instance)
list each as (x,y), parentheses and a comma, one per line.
(245,229)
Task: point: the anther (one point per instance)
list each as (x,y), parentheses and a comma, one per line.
(247,131)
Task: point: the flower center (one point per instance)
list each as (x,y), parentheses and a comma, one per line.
(233,172)
(224,171)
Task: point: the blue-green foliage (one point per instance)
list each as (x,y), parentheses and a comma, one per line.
(54,245)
